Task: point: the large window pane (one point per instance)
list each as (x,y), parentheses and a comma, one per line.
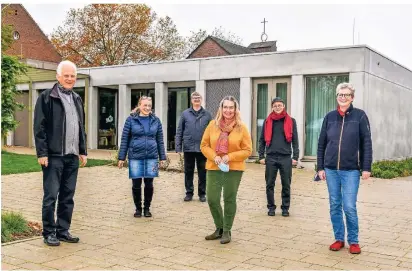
(107,119)
(320,99)
(262,107)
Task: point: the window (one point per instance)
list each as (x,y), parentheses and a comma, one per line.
(262,107)
(320,99)
(16,35)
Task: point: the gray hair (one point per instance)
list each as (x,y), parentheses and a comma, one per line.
(195,94)
(345,86)
(66,63)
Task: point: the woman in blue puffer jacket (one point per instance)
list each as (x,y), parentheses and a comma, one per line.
(142,139)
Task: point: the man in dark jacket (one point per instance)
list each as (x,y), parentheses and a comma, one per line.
(192,125)
(60,138)
(279,137)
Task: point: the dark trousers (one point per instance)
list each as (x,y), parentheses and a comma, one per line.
(284,165)
(59,184)
(137,193)
(190,158)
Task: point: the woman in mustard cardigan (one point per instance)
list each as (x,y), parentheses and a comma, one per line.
(226,143)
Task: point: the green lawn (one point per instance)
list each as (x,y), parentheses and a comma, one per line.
(13,163)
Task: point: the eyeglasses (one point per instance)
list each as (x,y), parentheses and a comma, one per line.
(196,98)
(278,106)
(346,95)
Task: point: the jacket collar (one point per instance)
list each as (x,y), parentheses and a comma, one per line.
(135,115)
(350,109)
(194,112)
(55,92)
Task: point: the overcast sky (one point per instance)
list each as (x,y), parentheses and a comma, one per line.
(386,28)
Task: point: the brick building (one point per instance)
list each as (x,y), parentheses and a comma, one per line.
(213,46)
(30,43)
(34,48)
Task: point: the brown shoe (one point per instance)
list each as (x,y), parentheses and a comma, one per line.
(226,237)
(216,235)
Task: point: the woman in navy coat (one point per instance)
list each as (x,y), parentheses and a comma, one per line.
(142,140)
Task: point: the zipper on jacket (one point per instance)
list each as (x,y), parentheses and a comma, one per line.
(340,142)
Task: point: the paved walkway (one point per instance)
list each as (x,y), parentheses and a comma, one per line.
(111,238)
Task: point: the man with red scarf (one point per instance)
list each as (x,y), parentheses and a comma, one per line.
(279,140)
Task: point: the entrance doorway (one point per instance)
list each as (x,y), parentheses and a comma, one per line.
(178,101)
(21,133)
(107,133)
(264,91)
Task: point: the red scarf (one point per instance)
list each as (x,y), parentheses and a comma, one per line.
(341,112)
(287,126)
(222,146)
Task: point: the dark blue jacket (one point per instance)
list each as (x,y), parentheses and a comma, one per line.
(191,128)
(345,142)
(139,144)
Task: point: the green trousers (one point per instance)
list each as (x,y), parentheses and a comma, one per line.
(229,181)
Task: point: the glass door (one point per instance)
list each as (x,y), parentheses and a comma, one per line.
(320,99)
(264,91)
(107,133)
(178,101)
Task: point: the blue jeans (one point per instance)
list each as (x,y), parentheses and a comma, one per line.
(343,186)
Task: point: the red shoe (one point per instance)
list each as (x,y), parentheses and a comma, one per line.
(354,249)
(338,245)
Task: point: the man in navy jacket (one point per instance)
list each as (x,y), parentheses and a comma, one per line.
(192,125)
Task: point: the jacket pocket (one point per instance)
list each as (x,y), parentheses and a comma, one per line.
(187,142)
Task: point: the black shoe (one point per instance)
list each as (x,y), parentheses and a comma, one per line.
(147,213)
(216,235)
(138,213)
(285,212)
(188,198)
(68,238)
(51,240)
(226,237)
(271,212)
(202,198)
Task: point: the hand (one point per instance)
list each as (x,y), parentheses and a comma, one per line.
(83,160)
(262,161)
(120,164)
(162,163)
(218,160)
(365,175)
(322,174)
(294,162)
(225,159)
(43,161)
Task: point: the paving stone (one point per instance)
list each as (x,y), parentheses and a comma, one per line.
(111,238)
